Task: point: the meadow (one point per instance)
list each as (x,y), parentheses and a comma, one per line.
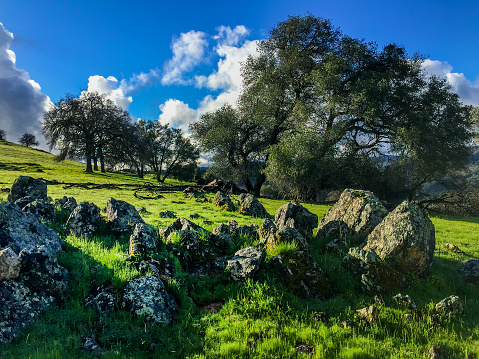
(258,318)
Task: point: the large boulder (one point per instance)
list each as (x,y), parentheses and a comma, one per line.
(223,201)
(300,273)
(84,220)
(27,186)
(190,248)
(121,216)
(405,239)
(147,297)
(355,214)
(245,263)
(250,206)
(293,215)
(469,272)
(143,240)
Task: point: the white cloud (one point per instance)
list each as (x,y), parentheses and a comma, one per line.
(188,51)
(229,37)
(177,114)
(21,102)
(110,87)
(138,81)
(468,92)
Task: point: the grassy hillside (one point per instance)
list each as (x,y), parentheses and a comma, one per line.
(258,319)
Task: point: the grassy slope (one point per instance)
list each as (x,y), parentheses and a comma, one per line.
(259,319)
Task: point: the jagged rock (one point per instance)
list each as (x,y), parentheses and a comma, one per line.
(181,224)
(213,268)
(143,240)
(148,298)
(223,201)
(368,314)
(405,239)
(223,236)
(66,203)
(27,186)
(404,301)
(266,230)
(450,306)
(10,264)
(245,263)
(300,273)
(375,275)
(41,209)
(286,235)
(250,206)
(469,272)
(355,215)
(167,214)
(163,268)
(24,201)
(84,220)
(190,248)
(90,344)
(250,230)
(293,215)
(102,300)
(121,216)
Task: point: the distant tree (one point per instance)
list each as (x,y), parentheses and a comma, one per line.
(28,140)
(3,135)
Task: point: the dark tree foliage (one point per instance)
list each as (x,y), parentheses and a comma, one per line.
(28,140)
(3,135)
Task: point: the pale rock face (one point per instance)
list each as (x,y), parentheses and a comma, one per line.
(222,200)
(245,263)
(451,305)
(10,264)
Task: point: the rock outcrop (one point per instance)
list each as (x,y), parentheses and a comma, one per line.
(84,220)
(25,186)
(66,203)
(143,241)
(451,305)
(469,272)
(223,201)
(250,206)
(245,263)
(293,215)
(121,216)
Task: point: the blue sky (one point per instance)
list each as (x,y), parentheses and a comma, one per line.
(176,60)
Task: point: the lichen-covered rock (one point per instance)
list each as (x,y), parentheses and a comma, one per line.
(286,235)
(404,301)
(469,272)
(10,264)
(190,248)
(66,203)
(223,237)
(405,239)
(300,273)
(121,216)
(250,206)
(167,214)
(143,240)
(375,275)
(266,230)
(451,305)
(147,297)
(27,186)
(245,263)
(181,224)
(293,215)
(223,201)
(355,215)
(41,209)
(250,230)
(102,300)
(84,220)
(368,314)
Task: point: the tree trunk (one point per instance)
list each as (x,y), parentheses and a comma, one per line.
(248,185)
(88,161)
(102,160)
(95,161)
(258,184)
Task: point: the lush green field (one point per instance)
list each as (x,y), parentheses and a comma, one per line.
(259,318)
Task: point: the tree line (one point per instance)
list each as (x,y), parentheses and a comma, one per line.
(94,128)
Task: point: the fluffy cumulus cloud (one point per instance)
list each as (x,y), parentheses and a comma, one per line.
(468,91)
(22,103)
(177,114)
(188,51)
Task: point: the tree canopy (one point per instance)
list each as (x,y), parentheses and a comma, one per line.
(28,140)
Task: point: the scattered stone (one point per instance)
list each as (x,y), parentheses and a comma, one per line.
(293,215)
(143,241)
(27,186)
(304,349)
(102,300)
(286,235)
(66,203)
(451,247)
(450,306)
(167,214)
(404,301)
(250,206)
(213,268)
(148,298)
(250,230)
(223,201)
(267,230)
(189,192)
(163,268)
(245,263)
(190,248)
(90,344)
(142,210)
(41,209)
(435,353)
(355,215)
(368,314)
(10,264)
(469,272)
(181,224)
(405,239)
(194,216)
(223,236)
(84,220)
(121,216)
(300,273)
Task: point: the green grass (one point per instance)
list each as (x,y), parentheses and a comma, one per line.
(259,319)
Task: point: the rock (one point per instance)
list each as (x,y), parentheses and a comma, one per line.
(10,264)
(24,201)
(102,300)
(41,209)
(143,240)
(469,272)
(368,314)
(121,216)
(181,224)
(245,263)
(405,239)
(266,230)
(189,192)
(213,268)
(190,248)
(66,203)
(27,186)
(163,268)
(286,235)
(304,349)
(355,214)
(250,206)
(194,216)
(90,344)
(84,220)
(450,306)
(222,200)
(167,214)
(250,230)
(404,301)
(300,273)
(451,247)
(375,275)
(147,297)
(223,236)
(435,353)
(293,215)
